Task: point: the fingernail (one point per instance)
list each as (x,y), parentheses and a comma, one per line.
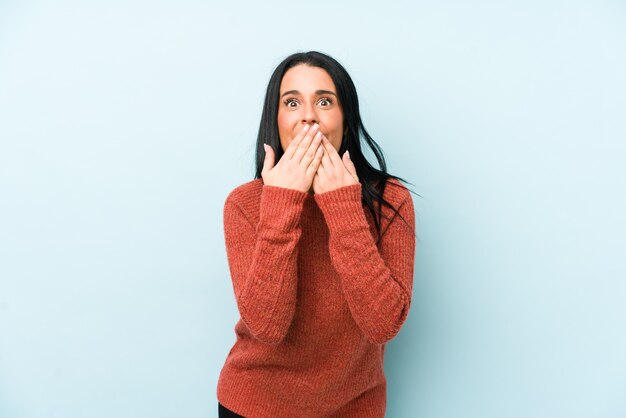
(348,152)
(265,146)
(316,126)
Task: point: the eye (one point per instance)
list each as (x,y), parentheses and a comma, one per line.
(325,101)
(291,102)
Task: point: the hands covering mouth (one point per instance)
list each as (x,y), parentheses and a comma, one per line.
(309,160)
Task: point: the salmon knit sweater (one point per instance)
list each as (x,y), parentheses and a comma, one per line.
(318,300)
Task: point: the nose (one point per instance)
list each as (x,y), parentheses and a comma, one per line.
(309,116)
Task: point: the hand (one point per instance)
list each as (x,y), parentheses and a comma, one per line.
(334,171)
(299,163)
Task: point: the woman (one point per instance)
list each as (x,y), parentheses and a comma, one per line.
(320,247)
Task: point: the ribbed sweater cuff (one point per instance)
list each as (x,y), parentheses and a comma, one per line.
(281,208)
(342,208)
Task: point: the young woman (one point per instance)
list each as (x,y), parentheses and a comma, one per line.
(320,247)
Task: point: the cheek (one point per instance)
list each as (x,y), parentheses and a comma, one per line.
(282,130)
(281,122)
(337,128)
(285,129)
(336,120)
(286,124)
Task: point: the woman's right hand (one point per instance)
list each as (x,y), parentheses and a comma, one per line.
(298,165)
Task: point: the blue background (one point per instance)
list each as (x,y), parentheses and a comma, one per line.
(124,125)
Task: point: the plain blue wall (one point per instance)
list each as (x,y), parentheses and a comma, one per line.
(125,124)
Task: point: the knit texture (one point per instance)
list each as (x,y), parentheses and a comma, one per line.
(318,299)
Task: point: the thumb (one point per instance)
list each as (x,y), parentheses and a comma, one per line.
(268,162)
(349,164)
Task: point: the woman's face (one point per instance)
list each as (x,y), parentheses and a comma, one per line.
(308,96)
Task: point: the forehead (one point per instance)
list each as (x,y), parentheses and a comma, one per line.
(306,79)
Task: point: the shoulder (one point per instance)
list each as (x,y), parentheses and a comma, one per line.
(396,193)
(398,196)
(246,196)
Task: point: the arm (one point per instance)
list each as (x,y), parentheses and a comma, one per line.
(377,281)
(262,261)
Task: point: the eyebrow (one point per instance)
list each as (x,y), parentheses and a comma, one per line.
(317,92)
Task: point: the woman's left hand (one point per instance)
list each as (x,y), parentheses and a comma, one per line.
(334,171)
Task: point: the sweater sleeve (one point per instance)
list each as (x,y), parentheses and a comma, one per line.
(263,260)
(377,281)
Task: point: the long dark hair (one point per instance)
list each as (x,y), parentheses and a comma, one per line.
(373,181)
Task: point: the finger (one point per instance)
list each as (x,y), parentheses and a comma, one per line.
(268,161)
(293,145)
(315,163)
(334,157)
(326,161)
(306,143)
(320,174)
(312,150)
(349,165)
(347,162)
